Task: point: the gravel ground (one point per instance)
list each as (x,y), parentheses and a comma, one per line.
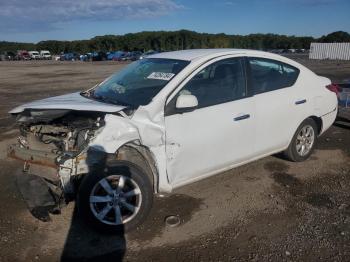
(269,210)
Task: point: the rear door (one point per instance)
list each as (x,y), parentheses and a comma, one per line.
(279,103)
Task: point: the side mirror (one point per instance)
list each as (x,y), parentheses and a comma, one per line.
(186,102)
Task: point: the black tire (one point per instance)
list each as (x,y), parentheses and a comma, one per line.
(128,170)
(291,152)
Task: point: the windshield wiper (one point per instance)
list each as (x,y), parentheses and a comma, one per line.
(111,101)
(88,93)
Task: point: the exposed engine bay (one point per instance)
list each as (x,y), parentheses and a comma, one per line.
(58,131)
(53,143)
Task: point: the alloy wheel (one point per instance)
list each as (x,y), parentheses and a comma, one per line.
(305,140)
(115,199)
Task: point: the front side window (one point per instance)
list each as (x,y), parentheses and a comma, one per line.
(269,75)
(218,83)
(138,83)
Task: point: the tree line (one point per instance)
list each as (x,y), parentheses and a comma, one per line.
(176,40)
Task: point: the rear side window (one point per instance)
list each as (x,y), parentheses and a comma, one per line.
(269,75)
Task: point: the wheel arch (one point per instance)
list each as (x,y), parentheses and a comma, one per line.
(141,156)
(319,123)
(290,152)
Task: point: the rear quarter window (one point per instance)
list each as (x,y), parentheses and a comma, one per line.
(269,75)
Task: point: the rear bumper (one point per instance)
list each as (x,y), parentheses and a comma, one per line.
(328,120)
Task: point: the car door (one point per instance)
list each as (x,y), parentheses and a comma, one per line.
(219,132)
(279,103)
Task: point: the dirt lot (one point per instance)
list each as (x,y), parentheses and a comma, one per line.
(269,210)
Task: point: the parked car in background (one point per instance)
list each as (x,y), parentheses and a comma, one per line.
(99,56)
(125,56)
(34,55)
(115,55)
(344,101)
(110,55)
(148,53)
(300,50)
(22,55)
(86,57)
(343,94)
(10,55)
(120,56)
(169,120)
(45,55)
(276,51)
(62,57)
(7,56)
(70,57)
(134,55)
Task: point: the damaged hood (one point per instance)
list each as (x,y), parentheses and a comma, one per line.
(73,101)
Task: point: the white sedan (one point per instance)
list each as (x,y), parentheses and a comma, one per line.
(169,120)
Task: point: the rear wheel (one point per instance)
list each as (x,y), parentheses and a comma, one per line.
(303,142)
(115,198)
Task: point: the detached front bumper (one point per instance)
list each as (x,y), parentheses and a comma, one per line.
(52,166)
(36,162)
(41,196)
(61,168)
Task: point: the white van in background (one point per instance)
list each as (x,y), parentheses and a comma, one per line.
(44,54)
(34,55)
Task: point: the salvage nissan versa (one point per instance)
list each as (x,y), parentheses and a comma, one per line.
(169,120)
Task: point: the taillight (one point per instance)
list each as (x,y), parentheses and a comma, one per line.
(334,88)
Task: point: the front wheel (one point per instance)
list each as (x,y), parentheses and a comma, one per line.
(116,198)
(303,142)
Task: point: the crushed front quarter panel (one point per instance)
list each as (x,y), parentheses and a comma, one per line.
(140,129)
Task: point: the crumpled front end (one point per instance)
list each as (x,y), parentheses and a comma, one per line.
(53,143)
(59,146)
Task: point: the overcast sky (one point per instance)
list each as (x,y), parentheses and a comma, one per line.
(35,20)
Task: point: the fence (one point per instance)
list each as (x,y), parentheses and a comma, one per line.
(332,51)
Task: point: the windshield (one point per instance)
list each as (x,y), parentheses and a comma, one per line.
(139,82)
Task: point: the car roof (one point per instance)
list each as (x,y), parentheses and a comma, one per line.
(193,54)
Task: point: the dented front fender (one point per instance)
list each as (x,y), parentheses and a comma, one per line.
(142,129)
(116,132)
